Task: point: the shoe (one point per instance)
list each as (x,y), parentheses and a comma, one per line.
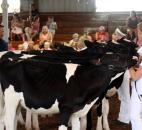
(117,122)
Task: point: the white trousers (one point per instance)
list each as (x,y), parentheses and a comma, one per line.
(124,97)
(136,110)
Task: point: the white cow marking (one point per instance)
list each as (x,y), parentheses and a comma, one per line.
(52,110)
(116,76)
(85,110)
(3,53)
(71,68)
(62,127)
(25,56)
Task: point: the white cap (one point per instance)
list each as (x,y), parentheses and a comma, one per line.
(118,32)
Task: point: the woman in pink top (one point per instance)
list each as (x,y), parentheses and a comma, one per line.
(35,26)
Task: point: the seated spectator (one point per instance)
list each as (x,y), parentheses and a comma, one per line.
(74,41)
(47,46)
(36,47)
(30,46)
(20,47)
(102,36)
(85,36)
(52,26)
(27,37)
(10,47)
(35,26)
(45,35)
(93,35)
(16,27)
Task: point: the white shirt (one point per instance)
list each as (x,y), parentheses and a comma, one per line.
(139,84)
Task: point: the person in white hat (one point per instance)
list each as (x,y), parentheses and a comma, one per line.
(136,96)
(119,33)
(124,89)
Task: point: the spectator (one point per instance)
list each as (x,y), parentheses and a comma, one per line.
(10,47)
(16,27)
(85,36)
(27,37)
(102,35)
(52,26)
(30,46)
(131,24)
(136,98)
(139,31)
(3,44)
(35,26)
(75,39)
(20,47)
(36,47)
(45,35)
(47,46)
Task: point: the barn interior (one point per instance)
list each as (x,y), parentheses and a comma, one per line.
(71,16)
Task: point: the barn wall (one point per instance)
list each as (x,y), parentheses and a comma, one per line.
(25,4)
(66,6)
(60,5)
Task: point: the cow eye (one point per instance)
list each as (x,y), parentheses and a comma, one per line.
(110,67)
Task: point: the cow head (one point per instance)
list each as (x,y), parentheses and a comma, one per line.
(117,62)
(131,47)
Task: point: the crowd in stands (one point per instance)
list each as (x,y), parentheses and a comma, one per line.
(43,35)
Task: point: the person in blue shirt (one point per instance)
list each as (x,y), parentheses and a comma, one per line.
(3,43)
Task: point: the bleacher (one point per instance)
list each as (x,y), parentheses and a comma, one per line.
(77,22)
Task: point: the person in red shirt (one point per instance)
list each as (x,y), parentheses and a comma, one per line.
(102,35)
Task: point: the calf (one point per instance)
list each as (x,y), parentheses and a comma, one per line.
(49,87)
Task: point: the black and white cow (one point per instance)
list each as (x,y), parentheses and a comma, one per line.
(45,86)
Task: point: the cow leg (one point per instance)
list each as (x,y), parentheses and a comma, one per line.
(11,103)
(89,120)
(83,123)
(28,124)
(35,121)
(20,119)
(64,119)
(99,123)
(105,111)
(99,117)
(75,122)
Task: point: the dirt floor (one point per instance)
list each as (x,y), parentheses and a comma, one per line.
(51,123)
